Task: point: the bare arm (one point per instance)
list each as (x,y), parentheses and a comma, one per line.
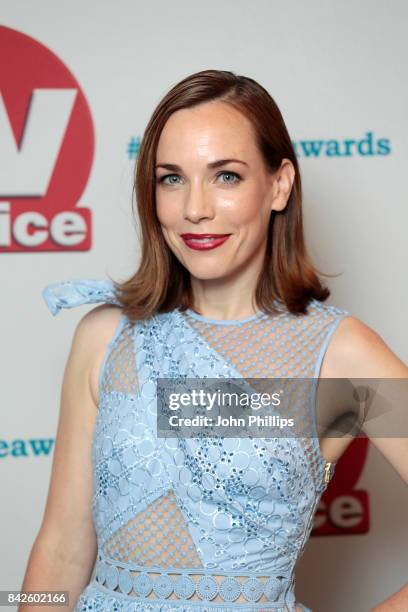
(64,551)
(397,602)
(362,353)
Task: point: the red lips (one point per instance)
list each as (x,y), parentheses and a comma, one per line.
(204,242)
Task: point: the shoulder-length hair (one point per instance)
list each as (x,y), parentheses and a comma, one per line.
(161,282)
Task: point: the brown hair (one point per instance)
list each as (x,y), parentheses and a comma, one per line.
(161,282)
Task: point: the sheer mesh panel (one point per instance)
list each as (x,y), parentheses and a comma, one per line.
(265,347)
(120,368)
(159,534)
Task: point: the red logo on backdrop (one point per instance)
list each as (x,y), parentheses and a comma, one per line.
(343,509)
(46,150)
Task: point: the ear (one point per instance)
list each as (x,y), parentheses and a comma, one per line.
(282,185)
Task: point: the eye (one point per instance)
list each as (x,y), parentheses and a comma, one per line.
(236,177)
(166,176)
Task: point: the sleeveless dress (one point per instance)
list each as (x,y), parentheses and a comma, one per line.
(199,525)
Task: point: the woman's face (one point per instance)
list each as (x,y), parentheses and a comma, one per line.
(196,193)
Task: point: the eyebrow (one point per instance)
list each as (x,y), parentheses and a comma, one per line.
(215,164)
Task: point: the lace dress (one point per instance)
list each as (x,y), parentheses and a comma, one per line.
(199,524)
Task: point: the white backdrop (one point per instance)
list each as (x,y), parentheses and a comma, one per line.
(336,72)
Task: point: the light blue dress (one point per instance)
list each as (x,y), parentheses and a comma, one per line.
(199,524)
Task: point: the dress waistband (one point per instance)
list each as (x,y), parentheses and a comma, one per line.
(188,585)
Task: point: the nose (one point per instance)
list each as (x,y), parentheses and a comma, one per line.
(198,203)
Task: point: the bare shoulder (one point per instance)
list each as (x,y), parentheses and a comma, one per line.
(92,335)
(357,350)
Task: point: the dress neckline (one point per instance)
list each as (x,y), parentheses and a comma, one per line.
(195,315)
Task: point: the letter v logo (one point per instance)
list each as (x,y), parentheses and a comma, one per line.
(26,168)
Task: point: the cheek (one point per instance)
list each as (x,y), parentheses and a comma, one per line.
(165,212)
(246,206)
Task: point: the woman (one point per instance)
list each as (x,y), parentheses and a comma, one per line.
(225,288)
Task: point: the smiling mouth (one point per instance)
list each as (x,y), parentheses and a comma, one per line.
(204,241)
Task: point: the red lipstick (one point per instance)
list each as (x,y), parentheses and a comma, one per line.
(204,242)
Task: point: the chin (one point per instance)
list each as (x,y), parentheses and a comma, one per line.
(205,273)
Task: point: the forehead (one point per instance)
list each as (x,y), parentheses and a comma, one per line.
(210,129)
